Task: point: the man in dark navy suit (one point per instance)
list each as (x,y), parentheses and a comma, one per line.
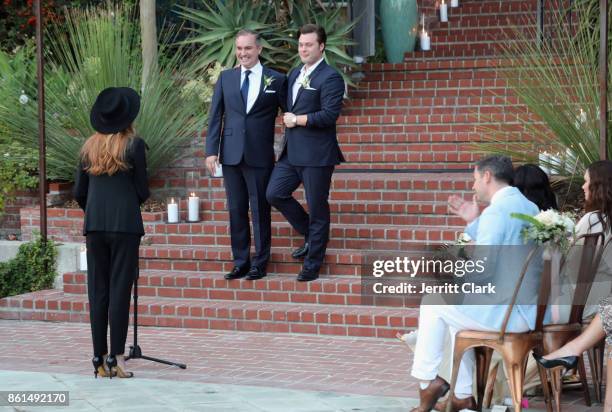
(241,131)
(314,99)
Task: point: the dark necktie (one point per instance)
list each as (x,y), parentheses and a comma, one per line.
(244,90)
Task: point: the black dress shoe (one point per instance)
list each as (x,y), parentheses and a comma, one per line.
(237,273)
(255,273)
(300,252)
(307,275)
(568,362)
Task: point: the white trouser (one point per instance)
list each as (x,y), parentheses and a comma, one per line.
(433,323)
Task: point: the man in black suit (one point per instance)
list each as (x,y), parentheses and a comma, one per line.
(241,131)
(314,99)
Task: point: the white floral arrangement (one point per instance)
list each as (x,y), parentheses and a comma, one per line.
(550,227)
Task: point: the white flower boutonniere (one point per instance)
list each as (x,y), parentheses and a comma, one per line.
(268,80)
(305,83)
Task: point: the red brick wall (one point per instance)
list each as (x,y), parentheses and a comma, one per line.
(9,220)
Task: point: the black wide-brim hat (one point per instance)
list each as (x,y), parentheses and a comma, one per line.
(115,109)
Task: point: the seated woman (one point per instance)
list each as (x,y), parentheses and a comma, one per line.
(567,356)
(597,189)
(598,205)
(533,182)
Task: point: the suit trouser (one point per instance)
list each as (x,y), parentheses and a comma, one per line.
(112,267)
(429,349)
(314,225)
(246,184)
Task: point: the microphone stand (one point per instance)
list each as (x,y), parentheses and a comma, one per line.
(135,351)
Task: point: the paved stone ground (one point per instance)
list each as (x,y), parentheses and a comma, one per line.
(239,371)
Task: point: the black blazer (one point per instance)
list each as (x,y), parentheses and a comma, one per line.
(315,144)
(112,203)
(244,135)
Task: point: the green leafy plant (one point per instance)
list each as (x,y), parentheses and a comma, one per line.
(18,164)
(96,48)
(34,268)
(558,82)
(216,26)
(17,171)
(218,23)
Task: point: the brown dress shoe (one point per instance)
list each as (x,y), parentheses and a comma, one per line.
(457,404)
(428,396)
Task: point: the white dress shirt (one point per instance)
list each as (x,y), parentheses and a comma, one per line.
(303,73)
(254,83)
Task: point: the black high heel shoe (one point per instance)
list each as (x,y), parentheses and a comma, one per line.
(99,367)
(568,362)
(116,370)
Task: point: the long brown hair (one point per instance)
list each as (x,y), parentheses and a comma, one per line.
(105,153)
(600,192)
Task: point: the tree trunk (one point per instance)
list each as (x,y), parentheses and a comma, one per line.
(148,29)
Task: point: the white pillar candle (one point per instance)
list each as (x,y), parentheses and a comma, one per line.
(173,211)
(83,258)
(194,208)
(443,12)
(454,3)
(425,41)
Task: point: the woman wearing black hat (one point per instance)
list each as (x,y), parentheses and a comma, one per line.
(111,184)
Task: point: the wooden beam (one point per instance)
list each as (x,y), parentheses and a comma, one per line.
(603,80)
(42,145)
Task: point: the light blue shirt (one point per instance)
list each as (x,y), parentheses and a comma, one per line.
(495,227)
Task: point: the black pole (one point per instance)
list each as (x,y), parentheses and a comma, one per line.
(603,80)
(42,164)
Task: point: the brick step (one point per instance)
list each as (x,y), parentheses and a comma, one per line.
(342,236)
(402,135)
(389,213)
(452,51)
(434,114)
(445,80)
(273,288)
(485,22)
(456,33)
(494,7)
(441,115)
(453,90)
(367,321)
(218,259)
(457,103)
(412,167)
(399,71)
(406,157)
(450,130)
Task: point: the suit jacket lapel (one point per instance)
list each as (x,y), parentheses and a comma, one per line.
(264,73)
(316,70)
(236,86)
(292,78)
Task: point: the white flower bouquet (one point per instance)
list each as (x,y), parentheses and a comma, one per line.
(549,226)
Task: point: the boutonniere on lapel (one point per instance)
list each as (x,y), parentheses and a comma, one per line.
(305,83)
(268,80)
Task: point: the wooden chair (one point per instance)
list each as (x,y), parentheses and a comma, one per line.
(513,347)
(557,335)
(596,354)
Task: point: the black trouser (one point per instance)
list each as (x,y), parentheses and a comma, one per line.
(112,267)
(246,185)
(314,225)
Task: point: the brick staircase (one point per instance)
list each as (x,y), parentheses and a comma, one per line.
(408,134)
